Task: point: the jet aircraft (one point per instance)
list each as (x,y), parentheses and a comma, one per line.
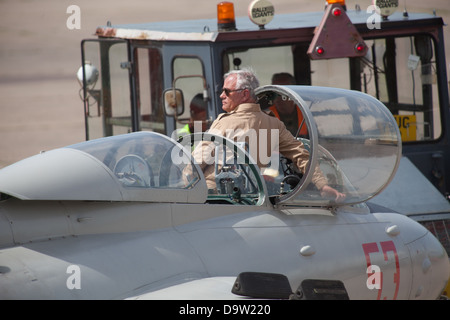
(131,217)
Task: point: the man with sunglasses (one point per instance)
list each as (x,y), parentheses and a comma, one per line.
(243,114)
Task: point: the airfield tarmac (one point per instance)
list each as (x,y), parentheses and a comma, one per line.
(40,107)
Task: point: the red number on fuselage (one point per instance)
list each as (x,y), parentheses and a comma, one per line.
(386,246)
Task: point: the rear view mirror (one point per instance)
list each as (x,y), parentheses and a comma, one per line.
(173,102)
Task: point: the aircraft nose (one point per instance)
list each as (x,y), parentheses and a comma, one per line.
(431,267)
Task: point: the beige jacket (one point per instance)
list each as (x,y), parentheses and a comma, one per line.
(246,119)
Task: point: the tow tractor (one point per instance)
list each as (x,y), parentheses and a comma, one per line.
(142,77)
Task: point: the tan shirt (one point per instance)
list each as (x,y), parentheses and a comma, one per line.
(247,119)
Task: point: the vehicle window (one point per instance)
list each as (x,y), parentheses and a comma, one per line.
(149,89)
(401,72)
(188,75)
(330,73)
(107,99)
(265,61)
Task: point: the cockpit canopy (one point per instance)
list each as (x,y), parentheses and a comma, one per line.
(351,137)
(132,167)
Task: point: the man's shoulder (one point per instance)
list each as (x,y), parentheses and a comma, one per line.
(222,115)
(227,117)
(221,121)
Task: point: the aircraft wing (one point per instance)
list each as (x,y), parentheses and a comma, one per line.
(416,193)
(214,288)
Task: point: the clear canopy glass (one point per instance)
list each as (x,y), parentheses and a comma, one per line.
(355,139)
(144,160)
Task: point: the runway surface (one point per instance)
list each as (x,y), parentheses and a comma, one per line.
(40,107)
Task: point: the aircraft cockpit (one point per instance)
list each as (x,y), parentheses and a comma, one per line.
(149,166)
(353,140)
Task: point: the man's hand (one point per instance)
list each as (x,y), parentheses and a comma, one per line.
(330,192)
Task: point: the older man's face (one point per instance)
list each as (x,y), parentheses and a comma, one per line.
(231,97)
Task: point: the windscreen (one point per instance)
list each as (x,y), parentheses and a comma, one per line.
(143,160)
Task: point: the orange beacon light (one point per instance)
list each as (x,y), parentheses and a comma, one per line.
(341,2)
(225,16)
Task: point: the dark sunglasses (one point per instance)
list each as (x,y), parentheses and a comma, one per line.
(228,91)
